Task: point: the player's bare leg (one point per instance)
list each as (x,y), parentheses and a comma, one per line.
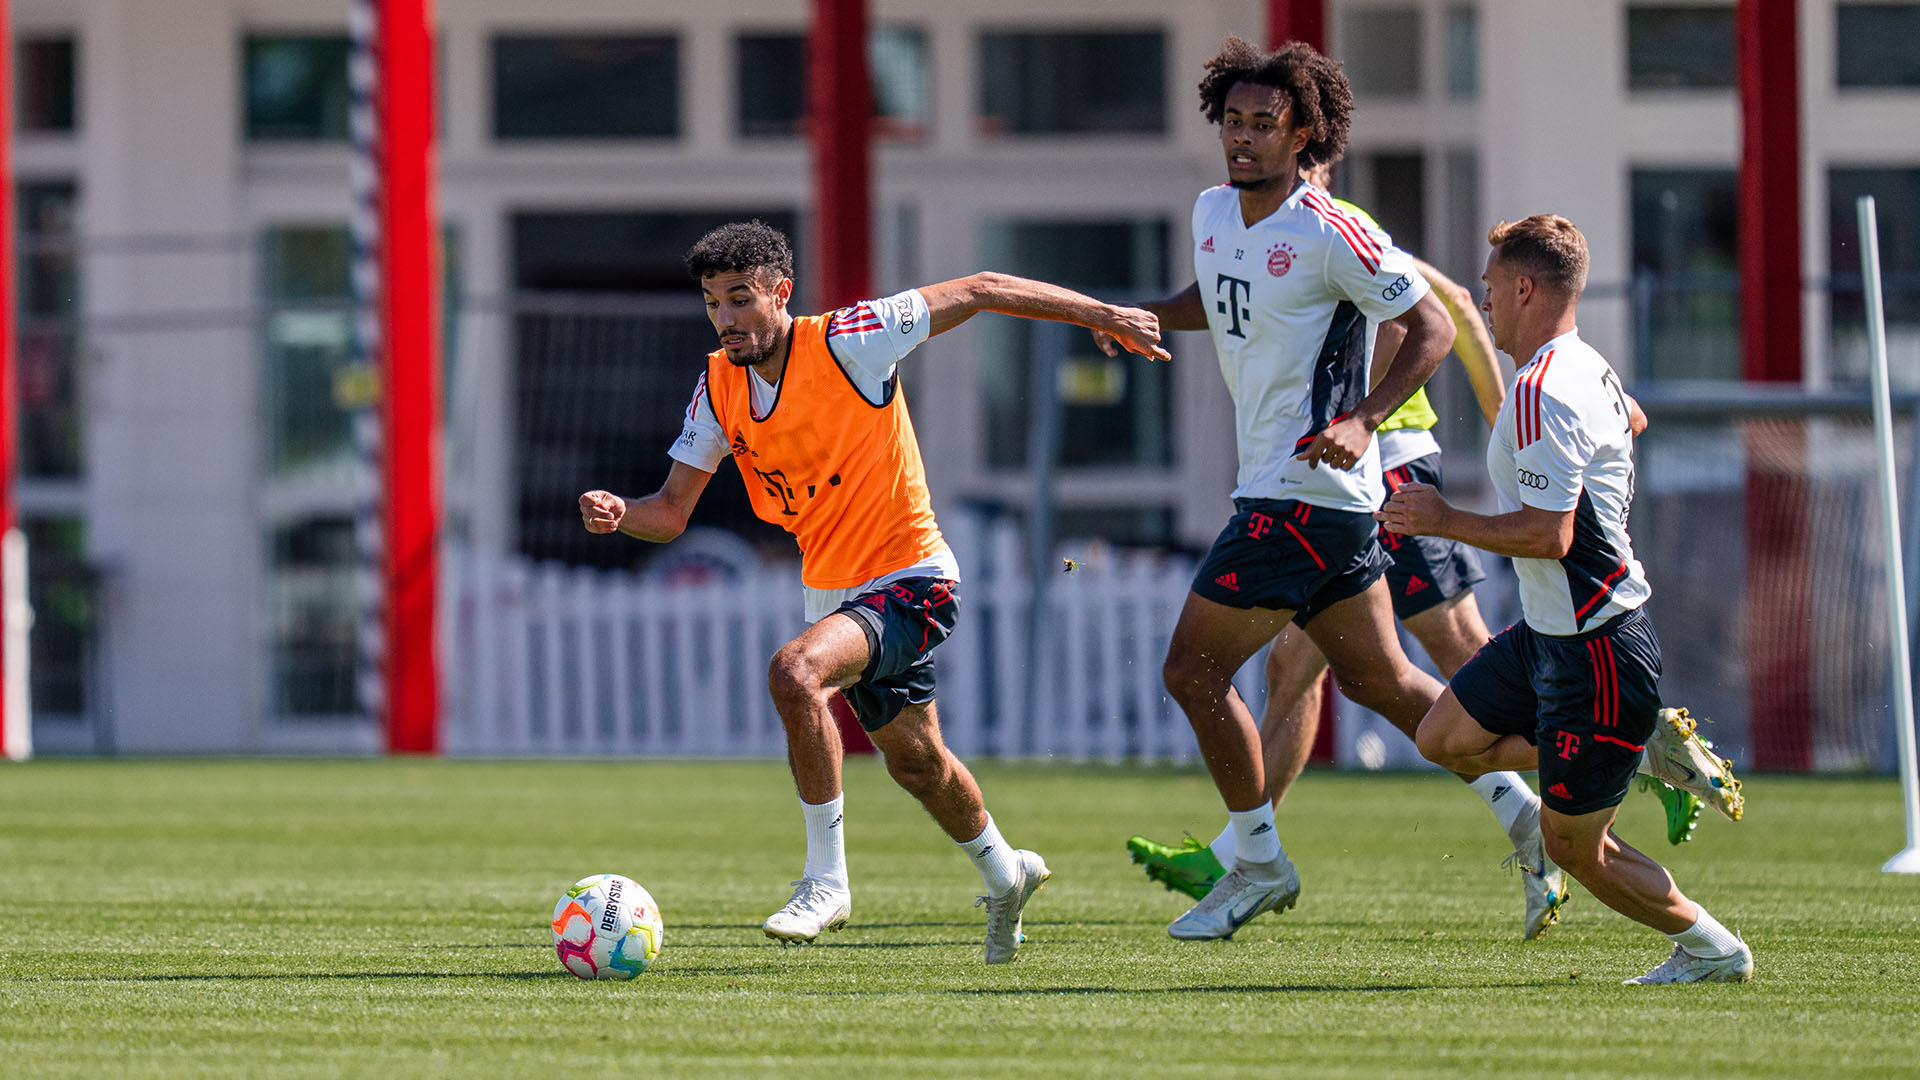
(1451,632)
(1288,726)
(1626,880)
(1291,720)
(919,761)
(1358,638)
(828,656)
(825,658)
(1210,642)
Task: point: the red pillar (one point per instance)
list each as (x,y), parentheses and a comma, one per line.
(1297,20)
(15,731)
(841,106)
(410,374)
(1779,566)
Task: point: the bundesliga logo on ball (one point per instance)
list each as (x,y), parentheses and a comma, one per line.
(607,927)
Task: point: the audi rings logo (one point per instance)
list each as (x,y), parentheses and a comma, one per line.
(1534,480)
(1400,284)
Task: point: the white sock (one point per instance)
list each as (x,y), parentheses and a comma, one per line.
(1706,938)
(826,842)
(1254,838)
(1223,845)
(1506,795)
(994,857)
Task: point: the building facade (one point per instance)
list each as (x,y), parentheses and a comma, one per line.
(189,477)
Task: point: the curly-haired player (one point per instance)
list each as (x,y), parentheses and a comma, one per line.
(1291,286)
(812,411)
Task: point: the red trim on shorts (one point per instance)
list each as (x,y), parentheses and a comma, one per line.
(1618,742)
(1303,543)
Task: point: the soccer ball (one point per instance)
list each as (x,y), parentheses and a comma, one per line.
(607,927)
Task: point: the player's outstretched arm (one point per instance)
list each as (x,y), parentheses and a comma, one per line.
(1526,533)
(1471,343)
(1181,311)
(659,517)
(951,303)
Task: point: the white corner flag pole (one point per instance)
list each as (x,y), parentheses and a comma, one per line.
(1908,861)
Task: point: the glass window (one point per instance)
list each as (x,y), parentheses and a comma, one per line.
(1877,45)
(1071,82)
(46,85)
(1686,299)
(1680,48)
(61,587)
(1896,198)
(1117,411)
(311,567)
(773,83)
(1462,24)
(586,87)
(49,369)
(1381,47)
(296,87)
(310,352)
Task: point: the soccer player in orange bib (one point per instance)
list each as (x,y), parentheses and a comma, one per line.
(812,410)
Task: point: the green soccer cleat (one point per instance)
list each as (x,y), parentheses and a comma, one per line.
(1189,868)
(1683,808)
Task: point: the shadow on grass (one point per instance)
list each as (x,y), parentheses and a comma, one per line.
(294,976)
(1212,988)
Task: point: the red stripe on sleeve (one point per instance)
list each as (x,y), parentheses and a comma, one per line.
(1347,231)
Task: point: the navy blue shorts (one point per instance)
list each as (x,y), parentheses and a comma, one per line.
(903,621)
(1286,555)
(1588,701)
(1427,571)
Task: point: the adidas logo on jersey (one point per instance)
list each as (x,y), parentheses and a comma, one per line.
(1560,791)
(1207,245)
(1228,581)
(1414,585)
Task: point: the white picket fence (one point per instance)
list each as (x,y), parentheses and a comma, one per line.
(547,659)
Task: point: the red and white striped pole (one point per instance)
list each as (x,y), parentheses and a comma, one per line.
(16,715)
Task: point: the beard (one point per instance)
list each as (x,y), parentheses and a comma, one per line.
(1255,185)
(749,359)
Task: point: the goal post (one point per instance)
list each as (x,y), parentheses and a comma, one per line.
(1908,860)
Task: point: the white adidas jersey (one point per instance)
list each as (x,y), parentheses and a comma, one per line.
(1288,300)
(1563,442)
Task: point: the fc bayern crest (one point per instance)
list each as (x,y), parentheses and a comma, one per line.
(1279,260)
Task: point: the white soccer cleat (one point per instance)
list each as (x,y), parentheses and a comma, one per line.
(814,909)
(1684,967)
(1544,883)
(1004,933)
(1237,898)
(1678,755)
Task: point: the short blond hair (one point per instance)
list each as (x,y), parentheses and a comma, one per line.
(1545,247)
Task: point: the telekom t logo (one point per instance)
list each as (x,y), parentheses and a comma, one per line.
(1258,525)
(1234,304)
(1568,744)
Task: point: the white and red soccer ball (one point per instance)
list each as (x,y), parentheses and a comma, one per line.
(607,927)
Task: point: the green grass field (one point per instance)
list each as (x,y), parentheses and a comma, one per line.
(387,918)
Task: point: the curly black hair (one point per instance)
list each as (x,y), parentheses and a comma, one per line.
(741,246)
(1314,85)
